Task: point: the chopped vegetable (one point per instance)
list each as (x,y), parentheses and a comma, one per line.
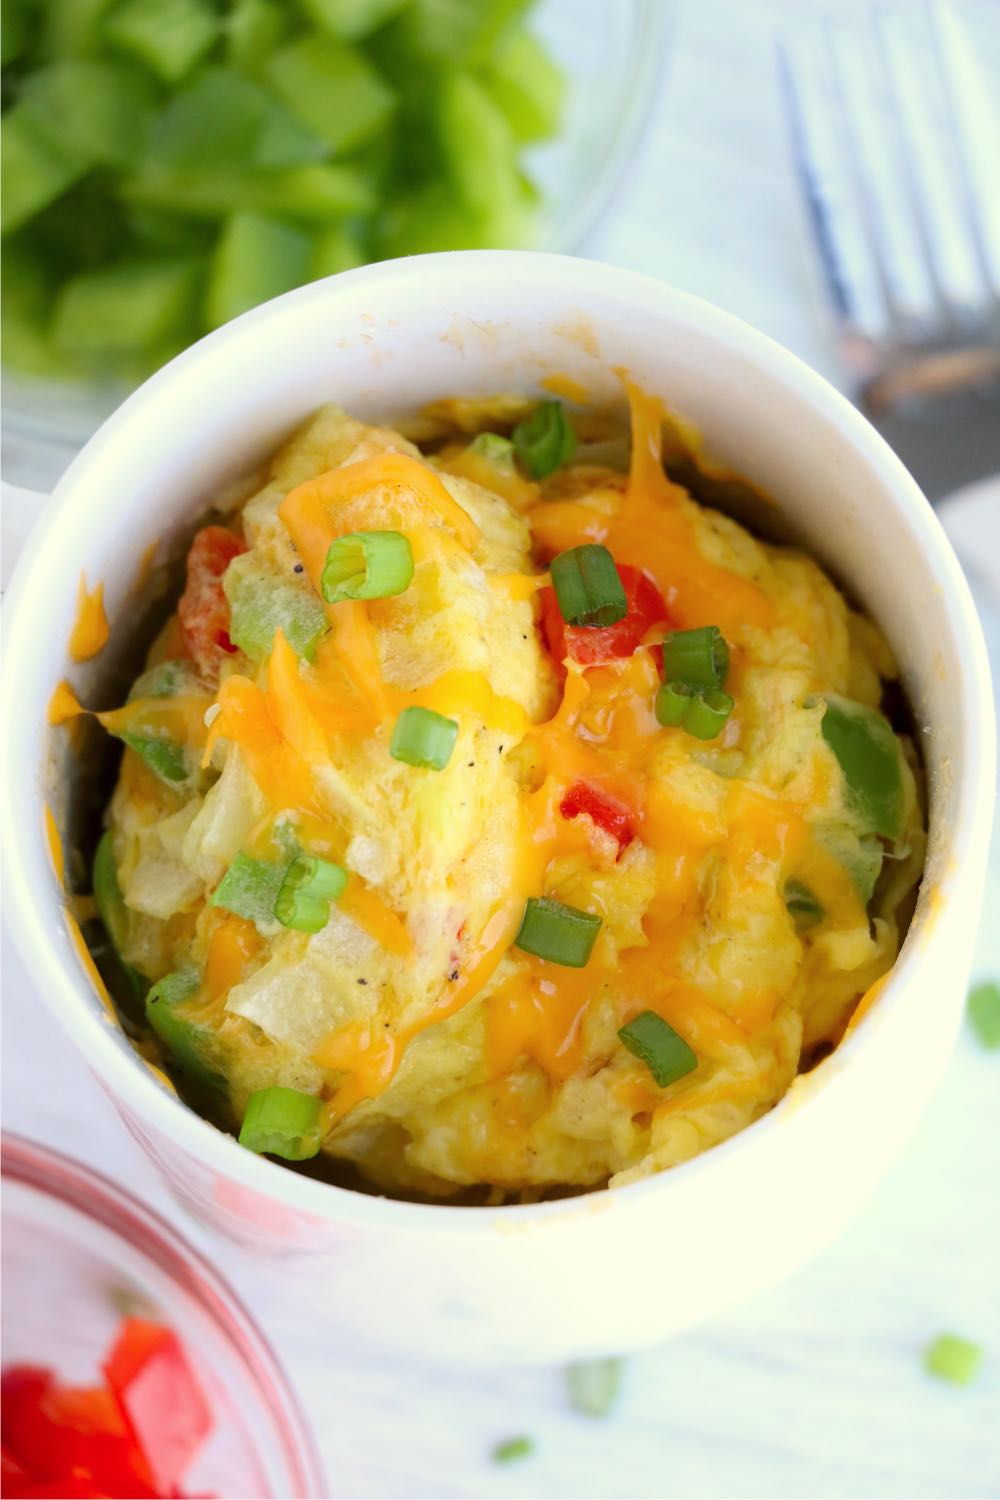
(261,603)
(332,90)
(203,608)
(163,681)
(111,907)
(562,934)
(953,1358)
(802,905)
(423,738)
(696,658)
(545,440)
(162,1403)
(588,587)
(307,888)
(512,1449)
(495,449)
(282,1122)
(870,757)
(655,1042)
(860,854)
(594,1386)
(527,85)
(125,307)
(256,258)
(187,1043)
(589,645)
(984,1013)
(367,565)
(250,888)
(701,712)
(169,36)
(168,760)
(604,810)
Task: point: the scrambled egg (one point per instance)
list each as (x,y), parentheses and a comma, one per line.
(445,1056)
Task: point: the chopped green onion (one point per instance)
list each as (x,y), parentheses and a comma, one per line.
(282,1122)
(497,450)
(588,587)
(802,904)
(423,738)
(984,1013)
(594,1386)
(250,888)
(561,934)
(667,1055)
(545,440)
(952,1358)
(871,760)
(305,893)
(696,658)
(162,756)
(367,565)
(701,712)
(186,1041)
(512,1449)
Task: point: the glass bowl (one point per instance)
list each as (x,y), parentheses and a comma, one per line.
(612,53)
(79,1254)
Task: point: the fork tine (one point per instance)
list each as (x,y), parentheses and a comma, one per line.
(929,163)
(974,124)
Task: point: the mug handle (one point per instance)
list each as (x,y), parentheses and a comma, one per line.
(19,510)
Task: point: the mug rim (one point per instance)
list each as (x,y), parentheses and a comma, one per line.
(63,980)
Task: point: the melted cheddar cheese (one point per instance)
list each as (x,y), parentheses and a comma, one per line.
(446,1057)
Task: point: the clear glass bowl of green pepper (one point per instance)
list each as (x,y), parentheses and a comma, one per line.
(169,163)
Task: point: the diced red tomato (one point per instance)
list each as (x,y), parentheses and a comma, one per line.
(203,608)
(589,645)
(602,808)
(162,1403)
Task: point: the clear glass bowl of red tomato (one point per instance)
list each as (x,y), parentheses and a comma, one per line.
(129,1368)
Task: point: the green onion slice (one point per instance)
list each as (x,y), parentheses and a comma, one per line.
(953,1358)
(367,565)
(186,1042)
(561,934)
(594,1385)
(871,760)
(802,904)
(588,587)
(697,658)
(984,1011)
(545,440)
(305,893)
(283,1122)
(666,1055)
(420,737)
(702,712)
(250,887)
(512,1449)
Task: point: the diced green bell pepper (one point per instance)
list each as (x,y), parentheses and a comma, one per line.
(256,259)
(168,760)
(861,855)
(261,603)
(126,307)
(254,28)
(334,250)
(477,144)
(332,90)
(111,908)
(871,759)
(169,36)
(90,112)
(309,195)
(34,171)
(250,888)
(527,85)
(446,33)
(188,1044)
(350,19)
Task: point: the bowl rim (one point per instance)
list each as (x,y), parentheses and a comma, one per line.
(64,981)
(78,1186)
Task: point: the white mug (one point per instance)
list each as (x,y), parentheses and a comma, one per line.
(610,1270)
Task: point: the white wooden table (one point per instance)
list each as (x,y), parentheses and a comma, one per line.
(815,1389)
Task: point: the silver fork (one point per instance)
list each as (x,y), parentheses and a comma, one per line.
(896,137)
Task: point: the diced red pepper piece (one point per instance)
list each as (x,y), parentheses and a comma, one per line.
(162,1403)
(602,808)
(589,645)
(203,608)
(60,1433)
